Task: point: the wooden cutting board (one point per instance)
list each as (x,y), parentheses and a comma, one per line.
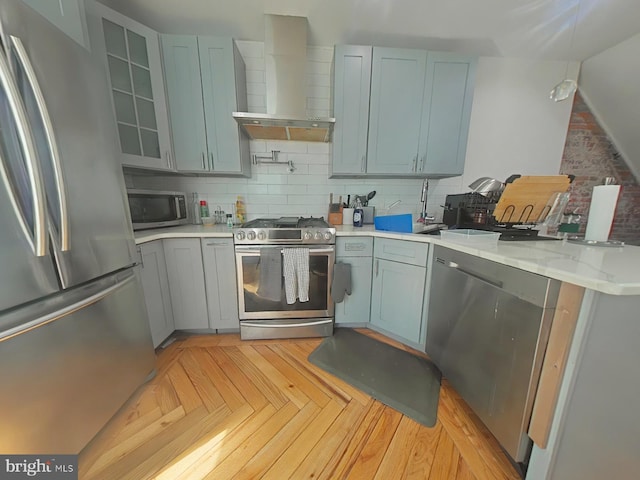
(527,199)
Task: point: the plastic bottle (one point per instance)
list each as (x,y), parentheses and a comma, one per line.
(229,220)
(240,210)
(358,214)
(204,209)
(196,210)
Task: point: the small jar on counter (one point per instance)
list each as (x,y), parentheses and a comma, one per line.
(229,220)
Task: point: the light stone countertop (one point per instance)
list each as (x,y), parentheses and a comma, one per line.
(611,270)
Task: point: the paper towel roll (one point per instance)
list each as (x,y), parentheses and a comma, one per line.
(601,212)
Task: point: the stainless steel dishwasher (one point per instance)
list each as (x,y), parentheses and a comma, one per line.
(487,331)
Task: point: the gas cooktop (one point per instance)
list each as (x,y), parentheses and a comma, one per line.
(285,230)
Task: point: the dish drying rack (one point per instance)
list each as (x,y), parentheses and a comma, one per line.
(525,202)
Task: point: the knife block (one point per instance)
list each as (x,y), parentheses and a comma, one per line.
(335,215)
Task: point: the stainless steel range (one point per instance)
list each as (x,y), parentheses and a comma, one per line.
(284,270)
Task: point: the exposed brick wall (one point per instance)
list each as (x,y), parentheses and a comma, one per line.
(591,156)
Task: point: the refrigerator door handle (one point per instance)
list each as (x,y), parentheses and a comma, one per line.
(4,176)
(52,144)
(40,237)
(63,312)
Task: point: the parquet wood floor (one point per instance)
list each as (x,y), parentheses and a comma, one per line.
(221,408)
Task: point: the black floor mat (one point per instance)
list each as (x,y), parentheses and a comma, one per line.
(397,378)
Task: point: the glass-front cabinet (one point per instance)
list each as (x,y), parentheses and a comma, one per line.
(132,55)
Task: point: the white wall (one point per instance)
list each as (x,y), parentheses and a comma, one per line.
(515,128)
(610,84)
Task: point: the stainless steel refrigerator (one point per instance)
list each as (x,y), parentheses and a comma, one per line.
(74,336)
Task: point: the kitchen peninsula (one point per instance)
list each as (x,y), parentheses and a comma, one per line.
(602,351)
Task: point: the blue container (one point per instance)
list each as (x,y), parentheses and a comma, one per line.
(394,223)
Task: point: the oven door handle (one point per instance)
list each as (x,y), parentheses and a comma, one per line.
(247,323)
(256,251)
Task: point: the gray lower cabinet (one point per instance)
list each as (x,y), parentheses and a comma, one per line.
(357,252)
(220,280)
(399,272)
(186,283)
(155,284)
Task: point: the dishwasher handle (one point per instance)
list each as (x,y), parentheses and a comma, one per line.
(493,283)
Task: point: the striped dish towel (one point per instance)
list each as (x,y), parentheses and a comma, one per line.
(295,266)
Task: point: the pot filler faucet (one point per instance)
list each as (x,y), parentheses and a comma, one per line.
(424,217)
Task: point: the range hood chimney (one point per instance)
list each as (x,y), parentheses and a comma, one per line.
(285,55)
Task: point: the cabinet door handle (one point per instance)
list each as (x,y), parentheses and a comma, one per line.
(139,250)
(377,265)
(363,164)
(482,278)
(169,162)
(415,164)
(422,161)
(204,165)
(211,162)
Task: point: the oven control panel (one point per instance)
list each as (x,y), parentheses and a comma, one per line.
(305,236)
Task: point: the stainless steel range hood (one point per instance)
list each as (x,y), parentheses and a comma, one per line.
(285,52)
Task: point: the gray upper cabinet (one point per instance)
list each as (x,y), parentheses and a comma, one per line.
(416,119)
(351,90)
(67,15)
(131,52)
(397,87)
(206,82)
(186,108)
(446,113)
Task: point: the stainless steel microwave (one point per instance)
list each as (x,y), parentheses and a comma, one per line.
(155,208)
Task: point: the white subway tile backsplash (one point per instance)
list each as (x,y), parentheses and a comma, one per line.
(318,104)
(256,76)
(318,68)
(259,189)
(267,199)
(317,91)
(306,179)
(307,200)
(318,113)
(254,63)
(320,54)
(287,189)
(325,190)
(257,146)
(257,103)
(287,147)
(320,148)
(256,89)
(250,49)
(300,169)
(320,80)
(318,170)
(268,179)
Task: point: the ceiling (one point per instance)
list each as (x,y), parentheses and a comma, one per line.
(541,29)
